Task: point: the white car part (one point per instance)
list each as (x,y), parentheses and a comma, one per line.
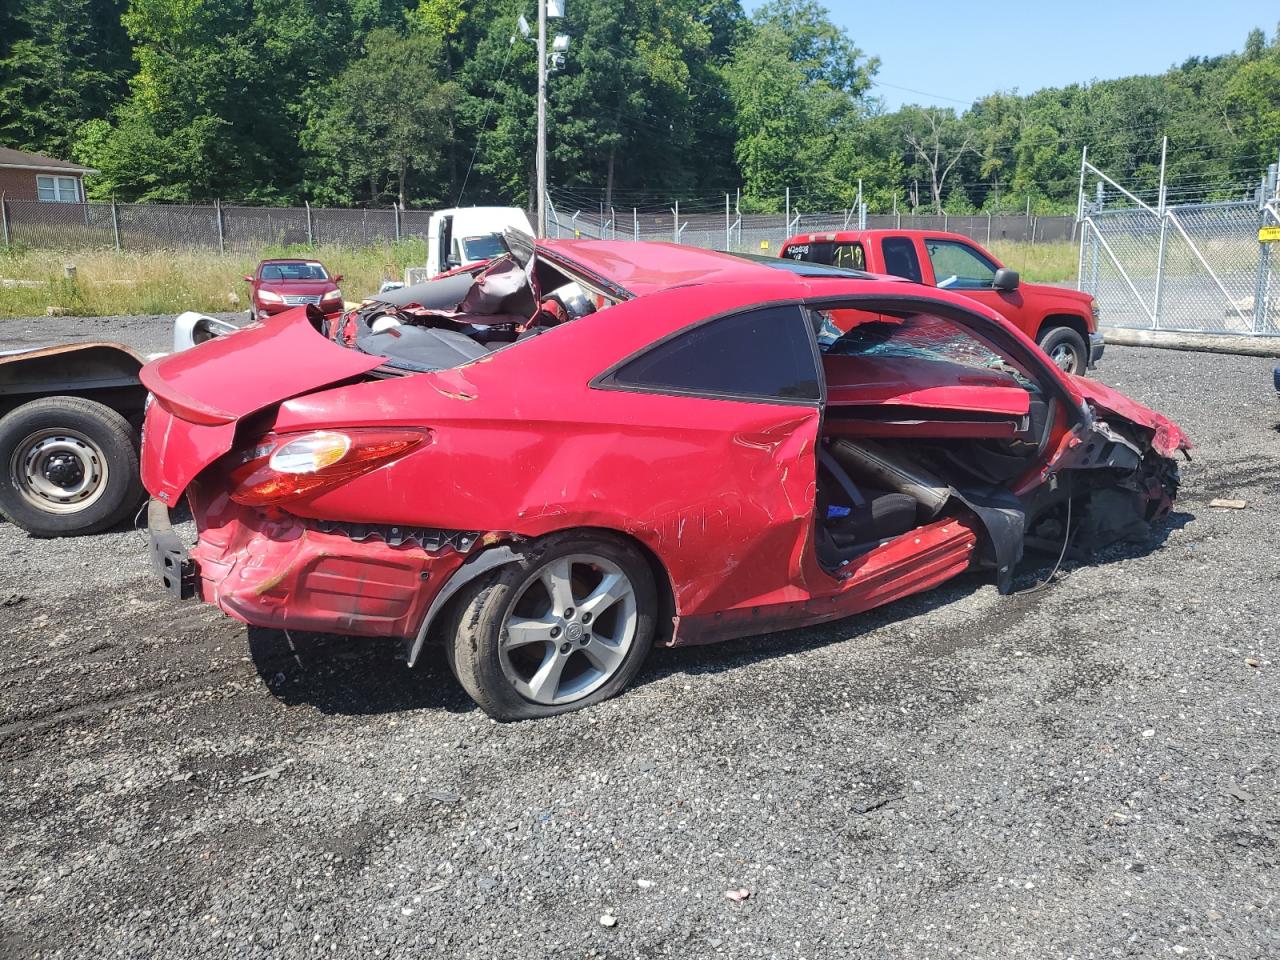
(191,328)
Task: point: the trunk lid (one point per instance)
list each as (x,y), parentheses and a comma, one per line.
(255,367)
(201,394)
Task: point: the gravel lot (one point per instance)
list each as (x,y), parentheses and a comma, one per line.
(1086,771)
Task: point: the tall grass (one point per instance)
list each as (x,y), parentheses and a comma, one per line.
(1039,262)
(108,283)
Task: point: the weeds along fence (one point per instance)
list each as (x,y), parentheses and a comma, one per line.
(234,229)
(765,233)
(1184,267)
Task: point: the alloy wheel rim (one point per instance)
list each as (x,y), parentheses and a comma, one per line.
(1064,357)
(569,630)
(58,471)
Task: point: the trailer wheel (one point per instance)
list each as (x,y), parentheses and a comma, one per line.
(70,467)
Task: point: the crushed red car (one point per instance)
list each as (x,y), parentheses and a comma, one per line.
(585,448)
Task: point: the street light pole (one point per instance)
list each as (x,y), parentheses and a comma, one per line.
(542,118)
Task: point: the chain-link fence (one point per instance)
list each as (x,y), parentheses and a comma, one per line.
(140,226)
(1194,268)
(765,233)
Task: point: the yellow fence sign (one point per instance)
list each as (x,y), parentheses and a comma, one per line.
(1269,234)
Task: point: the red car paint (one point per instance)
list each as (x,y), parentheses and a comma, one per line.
(283,283)
(525,442)
(1033,308)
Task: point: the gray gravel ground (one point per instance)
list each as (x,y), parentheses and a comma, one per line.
(1087,771)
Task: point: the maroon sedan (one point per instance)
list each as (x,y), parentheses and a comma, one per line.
(278,285)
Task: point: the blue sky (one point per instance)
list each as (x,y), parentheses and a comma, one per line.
(956,51)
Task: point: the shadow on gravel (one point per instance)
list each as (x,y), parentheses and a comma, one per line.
(360,676)
(353,675)
(1034,568)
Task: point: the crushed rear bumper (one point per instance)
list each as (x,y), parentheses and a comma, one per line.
(169,554)
(287,573)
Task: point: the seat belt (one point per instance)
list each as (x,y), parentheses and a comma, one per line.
(846,483)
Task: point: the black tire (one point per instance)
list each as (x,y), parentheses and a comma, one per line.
(67,434)
(482,611)
(1064,346)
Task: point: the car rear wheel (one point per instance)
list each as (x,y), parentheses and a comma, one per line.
(1066,349)
(71,467)
(566,627)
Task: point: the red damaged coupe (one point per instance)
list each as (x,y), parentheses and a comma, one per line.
(574,452)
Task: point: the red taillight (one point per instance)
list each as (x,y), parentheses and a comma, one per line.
(336,456)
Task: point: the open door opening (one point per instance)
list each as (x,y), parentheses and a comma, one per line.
(925,424)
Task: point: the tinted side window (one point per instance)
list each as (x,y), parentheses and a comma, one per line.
(900,258)
(763,354)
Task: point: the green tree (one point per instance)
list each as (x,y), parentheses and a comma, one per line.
(1253,95)
(221,95)
(938,141)
(798,86)
(61,63)
(385,120)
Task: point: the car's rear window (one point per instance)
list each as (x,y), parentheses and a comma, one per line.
(803,268)
(836,253)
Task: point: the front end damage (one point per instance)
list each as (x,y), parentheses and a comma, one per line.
(1114,480)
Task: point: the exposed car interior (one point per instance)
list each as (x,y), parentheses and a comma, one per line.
(455,319)
(918,410)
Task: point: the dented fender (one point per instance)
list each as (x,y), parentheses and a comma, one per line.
(477,565)
(1167,438)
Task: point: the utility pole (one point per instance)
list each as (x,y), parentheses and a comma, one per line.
(542,118)
(547,9)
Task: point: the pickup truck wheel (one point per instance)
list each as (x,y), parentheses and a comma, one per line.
(565,627)
(1066,349)
(70,467)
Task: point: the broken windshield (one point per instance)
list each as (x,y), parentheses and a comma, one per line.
(921,336)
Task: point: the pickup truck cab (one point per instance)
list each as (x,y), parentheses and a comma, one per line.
(1063,322)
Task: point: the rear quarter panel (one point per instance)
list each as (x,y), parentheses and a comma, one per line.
(720,490)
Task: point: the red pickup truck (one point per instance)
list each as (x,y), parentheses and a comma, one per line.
(1064,322)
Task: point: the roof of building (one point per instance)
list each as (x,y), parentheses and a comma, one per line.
(22,160)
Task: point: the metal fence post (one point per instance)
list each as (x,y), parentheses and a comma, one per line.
(988,228)
(217,215)
(311,237)
(4,217)
(726,221)
(115,222)
(1093,246)
(635,224)
(1264,253)
(675,222)
(1164,235)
